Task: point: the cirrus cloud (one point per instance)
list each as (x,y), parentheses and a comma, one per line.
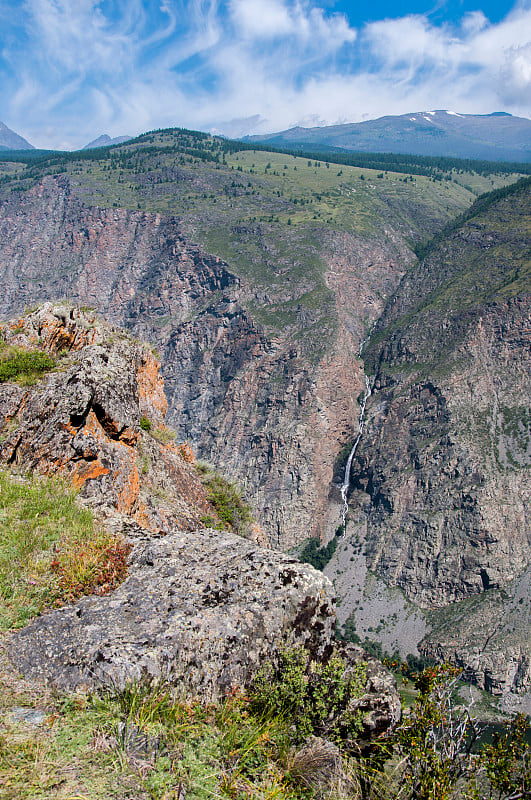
(72,69)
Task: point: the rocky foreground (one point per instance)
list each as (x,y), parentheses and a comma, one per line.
(200,608)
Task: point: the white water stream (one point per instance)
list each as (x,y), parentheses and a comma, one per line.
(346,480)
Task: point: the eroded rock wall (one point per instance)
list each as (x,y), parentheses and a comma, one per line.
(255,402)
(82,420)
(441,475)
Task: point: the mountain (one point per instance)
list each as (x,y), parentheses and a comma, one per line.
(258,277)
(105,140)
(495,137)
(255,279)
(9,140)
(441,475)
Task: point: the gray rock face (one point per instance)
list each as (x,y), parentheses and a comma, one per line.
(446,453)
(82,421)
(248,400)
(201,610)
(441,475)
(489,637)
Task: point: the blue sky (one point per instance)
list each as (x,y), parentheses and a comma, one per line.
(73,69)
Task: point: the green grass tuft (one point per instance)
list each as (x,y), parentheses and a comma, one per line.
(51,550)
(232,511)
(17,363)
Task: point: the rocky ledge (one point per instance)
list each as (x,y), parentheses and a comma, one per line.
(201,608)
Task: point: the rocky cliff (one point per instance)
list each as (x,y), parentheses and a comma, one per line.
(258,402)
(441,475)
(83,421)
(199,608)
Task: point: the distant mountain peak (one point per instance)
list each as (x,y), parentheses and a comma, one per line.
(105,140)
(9,140)
(497,136)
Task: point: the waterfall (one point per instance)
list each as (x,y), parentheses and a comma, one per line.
(346,480)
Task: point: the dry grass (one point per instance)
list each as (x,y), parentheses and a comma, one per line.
(51,549)
(319,767)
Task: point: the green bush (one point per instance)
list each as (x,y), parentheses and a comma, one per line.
(17,363)
(226,498)
(438,754)
(146,424)
(313,696)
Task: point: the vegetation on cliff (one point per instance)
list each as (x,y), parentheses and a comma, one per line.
(18,363)
(145,742)
(481,258)
(51,549)
(226,498)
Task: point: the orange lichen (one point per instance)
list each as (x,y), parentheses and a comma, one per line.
(56,334)
(87,471)
(142,515)
(187,453)
(128,493)
(151,386)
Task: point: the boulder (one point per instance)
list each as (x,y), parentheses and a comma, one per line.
(199,610)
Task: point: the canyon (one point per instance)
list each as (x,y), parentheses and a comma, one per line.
(257,277)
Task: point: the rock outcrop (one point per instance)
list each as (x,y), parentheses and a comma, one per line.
(200,608)
(83,421)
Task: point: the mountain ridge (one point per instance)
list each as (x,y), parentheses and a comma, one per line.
(106,141)
(9,140)
(497,136)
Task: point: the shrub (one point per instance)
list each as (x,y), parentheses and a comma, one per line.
(316,697)
(318,556)
(232,510)
(164,435)
(437,749)
(146,424)
(17,363)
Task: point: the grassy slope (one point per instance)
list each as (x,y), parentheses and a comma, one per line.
(458,278)
(51,549)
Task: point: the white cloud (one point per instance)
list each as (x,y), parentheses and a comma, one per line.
(247,66)
(473,22)
(77,36)
(515,74)
(262,18)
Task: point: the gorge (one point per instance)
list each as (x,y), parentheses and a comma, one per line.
(258,276)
